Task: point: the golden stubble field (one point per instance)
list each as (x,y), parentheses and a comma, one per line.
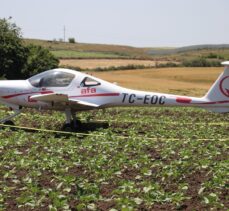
(182,80)
(103,63)
(185,81)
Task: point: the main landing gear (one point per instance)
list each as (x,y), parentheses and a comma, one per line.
(72,123)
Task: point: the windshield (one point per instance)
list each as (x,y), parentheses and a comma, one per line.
(52,79)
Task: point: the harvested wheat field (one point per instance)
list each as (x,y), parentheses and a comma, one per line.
(103,63)
(186,81)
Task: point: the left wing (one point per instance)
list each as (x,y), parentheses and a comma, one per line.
(55,97)
(84,103)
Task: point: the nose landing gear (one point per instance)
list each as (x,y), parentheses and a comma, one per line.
(7,120)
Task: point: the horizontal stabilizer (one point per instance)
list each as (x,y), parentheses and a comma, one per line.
(50,97)
(218,110)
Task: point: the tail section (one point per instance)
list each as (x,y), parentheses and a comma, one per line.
(218,95)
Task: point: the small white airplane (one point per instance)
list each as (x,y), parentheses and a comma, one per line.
(72,91)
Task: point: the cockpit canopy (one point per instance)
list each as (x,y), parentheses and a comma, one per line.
(52,78)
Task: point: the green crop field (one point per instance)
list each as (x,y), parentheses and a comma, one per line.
(85,50)
(123,159)
(83,55)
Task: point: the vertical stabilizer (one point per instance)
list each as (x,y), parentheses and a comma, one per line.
(220,89)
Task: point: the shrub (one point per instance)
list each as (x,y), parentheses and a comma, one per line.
(71,40)
(168,64)
(201,62)
(212,56)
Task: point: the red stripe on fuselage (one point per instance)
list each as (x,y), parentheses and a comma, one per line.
(212,103)
(98,95)
(189,101)
(27,93)
(183,100)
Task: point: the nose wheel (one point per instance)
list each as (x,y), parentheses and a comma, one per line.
(72,123)
(7,120)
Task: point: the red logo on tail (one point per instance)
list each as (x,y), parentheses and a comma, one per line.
(224,87)
(227,91)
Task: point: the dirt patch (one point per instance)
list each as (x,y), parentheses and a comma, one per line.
(224,197)
(153,153)
(157,207)
(73,204)
(130,174)
(77,171)
(25,148)
(106,189)
(10,201)
(195,180)
(46,180)
(105,205)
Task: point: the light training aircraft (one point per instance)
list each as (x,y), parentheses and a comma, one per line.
(71,91)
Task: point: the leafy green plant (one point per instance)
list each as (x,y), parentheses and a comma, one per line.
(154,158)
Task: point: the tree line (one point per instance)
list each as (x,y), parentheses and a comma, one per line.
(18,61)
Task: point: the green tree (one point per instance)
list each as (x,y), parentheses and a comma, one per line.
(39,59)
(13,54)
(18,61)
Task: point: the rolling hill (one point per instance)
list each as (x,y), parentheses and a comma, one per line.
(65,50)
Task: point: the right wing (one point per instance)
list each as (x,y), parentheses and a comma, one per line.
(55,97)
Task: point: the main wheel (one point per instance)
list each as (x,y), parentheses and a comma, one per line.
(68,128)
(72,127)
(76,125)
